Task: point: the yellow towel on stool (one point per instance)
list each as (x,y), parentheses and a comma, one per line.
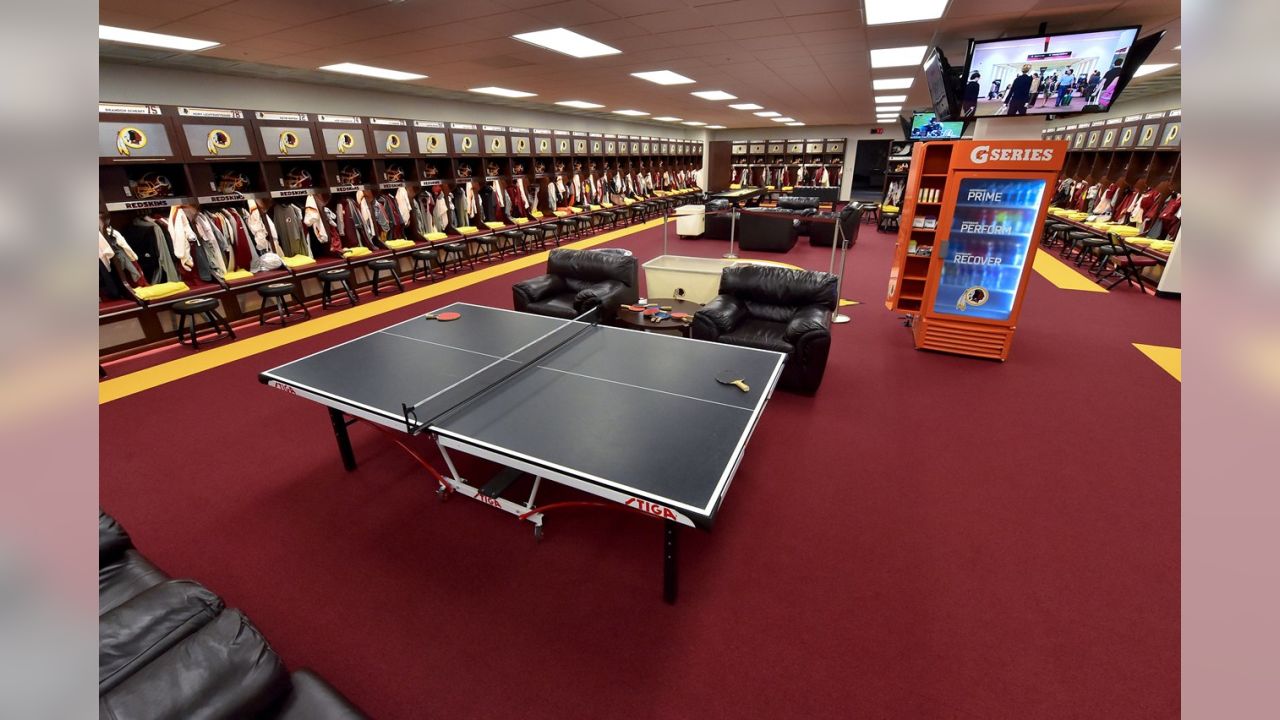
(161,290)
(398,244)
(889,208)
(495,224)
(437,236)
(237,275)
(298,260)
(468,230)
(535,213)
(349,252)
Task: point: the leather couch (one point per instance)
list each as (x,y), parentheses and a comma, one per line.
(797,207)
(823,234)
(578,280)
(171,649)
(773,308)
(717,222)
(768,232)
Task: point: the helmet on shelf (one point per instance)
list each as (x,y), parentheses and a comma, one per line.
(298,178)
(348,176)
(153,185)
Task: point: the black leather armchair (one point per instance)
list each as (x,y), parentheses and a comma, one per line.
(170,648)
(717,223)
(769,232)
(578,280)
(773,308)
(823,234)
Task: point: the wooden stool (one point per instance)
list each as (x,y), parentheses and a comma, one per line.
(279,294)
(456,251)
(385,265)
(426,258)
(187,310)
(339,277)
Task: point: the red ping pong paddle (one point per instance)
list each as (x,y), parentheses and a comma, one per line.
(442,317)
(651,311)
(729,377)
(680,315)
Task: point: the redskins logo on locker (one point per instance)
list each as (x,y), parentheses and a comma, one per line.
(130,139)
(496,145)
(288,141)
(393,142)
(466,143)
(218,140)
(346,141)
(521,145)
(433,142)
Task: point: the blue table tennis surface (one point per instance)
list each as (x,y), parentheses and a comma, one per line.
(633,411)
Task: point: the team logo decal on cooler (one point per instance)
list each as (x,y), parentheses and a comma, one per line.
(973,297)
(218,140)
(983,153)
(346,141)
(288,141)
(653,509)
(130,139)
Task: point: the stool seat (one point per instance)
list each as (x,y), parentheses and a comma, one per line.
(339,277)
(194,305)
(279,294)
(335,274)
(425,253)
(279,289)
(382,263)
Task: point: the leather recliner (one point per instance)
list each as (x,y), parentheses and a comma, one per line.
(578,280)
(170,648)
(717,222)
(767,232)
(773,308)
(823,234)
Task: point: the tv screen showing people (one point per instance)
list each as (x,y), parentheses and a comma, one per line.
(1045,74)
(927,126)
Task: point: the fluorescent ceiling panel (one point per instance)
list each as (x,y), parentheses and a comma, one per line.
(715,127)
(664,77)
(783,120)
(767,113)
(898,57)
(892,83)
(888,108)
(567,42)
(890,99)
(632,113)
(669,118)
(747,106)
(371,71)
(714,95)
(580,104)
(883,12)
(694,123)
(795,124)
(1152,68)
(502,92)
(138,37)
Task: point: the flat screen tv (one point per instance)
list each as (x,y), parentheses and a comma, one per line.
(1046,74)
(940,78)
(927,126)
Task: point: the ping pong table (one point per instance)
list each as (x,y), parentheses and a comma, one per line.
(633,418)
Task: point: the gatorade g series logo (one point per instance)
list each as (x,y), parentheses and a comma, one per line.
(218,140)
(983,153)
(130,139)
(346,141)
(288,141)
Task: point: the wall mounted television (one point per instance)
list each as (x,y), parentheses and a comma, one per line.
(927,126)
(943,83)
(1047,74)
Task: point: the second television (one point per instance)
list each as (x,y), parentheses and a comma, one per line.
(927,126)
(1045,74)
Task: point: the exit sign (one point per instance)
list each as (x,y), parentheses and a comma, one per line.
(877,131)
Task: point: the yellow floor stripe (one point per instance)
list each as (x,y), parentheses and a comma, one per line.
(1063,276)
(147,378)
(1168,358)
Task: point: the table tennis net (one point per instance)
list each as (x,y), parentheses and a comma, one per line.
(438,406)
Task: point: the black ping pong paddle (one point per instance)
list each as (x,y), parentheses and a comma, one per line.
(729,377)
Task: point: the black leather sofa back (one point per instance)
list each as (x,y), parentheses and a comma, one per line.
(770,232)
(583,268)
(774,293)
(797,202)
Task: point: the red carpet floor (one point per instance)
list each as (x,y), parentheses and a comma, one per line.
(930,536)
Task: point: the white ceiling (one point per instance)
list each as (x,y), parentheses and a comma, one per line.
(805,58)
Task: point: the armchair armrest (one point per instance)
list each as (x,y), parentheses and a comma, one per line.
(806,320)
(539,288)
(606,293)
(721,315)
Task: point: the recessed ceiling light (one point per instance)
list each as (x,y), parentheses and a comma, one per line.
(694,123)
(1152,68)
(883,12)
(892,83)
(767,113)
(567,42)
(371,71)
(580,104)
(795,124)
(138,37)
(897,57)
(1177,47)
(783,120)
(669,118)
(502,92)
(663,77)
(632,113)
(747,106)
(890,98)
(888,108)
(714,95)
(715,127)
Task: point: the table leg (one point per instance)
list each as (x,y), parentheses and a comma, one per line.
(669,568)
(339,422)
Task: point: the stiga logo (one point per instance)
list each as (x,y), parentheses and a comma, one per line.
(281,386)
(645,506)
(983,153)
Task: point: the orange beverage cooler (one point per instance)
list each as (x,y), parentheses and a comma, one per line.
(970,225)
